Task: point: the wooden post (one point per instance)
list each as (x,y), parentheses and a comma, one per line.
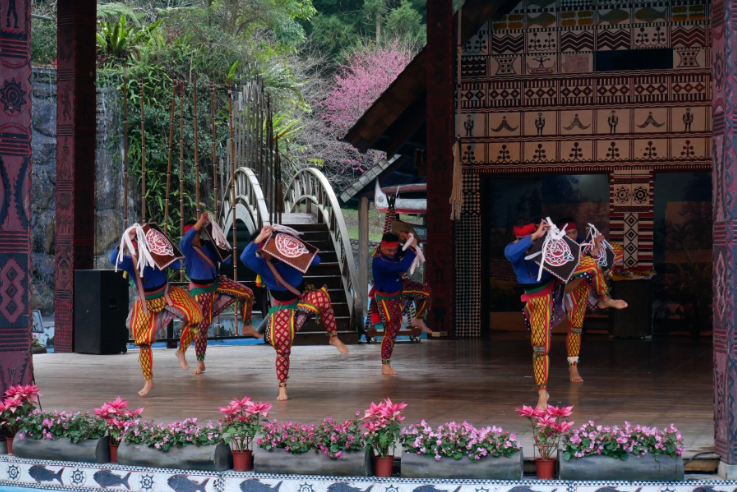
(196,157)
(363,254)
(143,152)
(181,171)
(75,156)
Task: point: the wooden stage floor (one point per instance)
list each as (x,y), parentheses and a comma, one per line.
(668,380)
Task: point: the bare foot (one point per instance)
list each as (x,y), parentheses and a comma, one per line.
(573,374)
(282,393)
(335,342)
(200,367)
(387,370)
(542,399)
(608,302)
(182,360)
(147,387)
(249,331)
(421,324)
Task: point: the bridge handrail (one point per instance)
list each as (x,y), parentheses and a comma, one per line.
(310,184)
(248,192)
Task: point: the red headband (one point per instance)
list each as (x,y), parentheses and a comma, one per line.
(570,226)
(526,230)
(388,244)
(188,227)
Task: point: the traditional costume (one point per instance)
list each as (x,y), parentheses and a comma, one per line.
(212,291)
(543,300)
(413,292)
(158,302)
(294,302)
(587,293)
(386,294)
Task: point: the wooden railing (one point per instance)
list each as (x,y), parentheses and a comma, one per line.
(250,204)
(310,186)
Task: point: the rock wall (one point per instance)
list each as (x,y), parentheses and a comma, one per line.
(109,183)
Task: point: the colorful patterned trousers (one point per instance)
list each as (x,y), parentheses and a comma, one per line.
(158,312)
(538,313)
(584,295)
(419,293)
(215,302)
(287,319)
(389,307)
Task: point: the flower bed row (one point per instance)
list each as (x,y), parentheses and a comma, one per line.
(451,450)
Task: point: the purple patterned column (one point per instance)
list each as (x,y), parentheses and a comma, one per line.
(440,239)
(75,157)
(15,194)
(724,36)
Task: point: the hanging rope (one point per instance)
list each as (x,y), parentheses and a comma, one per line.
(456,196)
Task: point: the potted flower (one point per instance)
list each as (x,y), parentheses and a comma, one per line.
(241,421)
(118,416)
(63,436)
(596,452)
(184,444)
(328,448)
(548,427)
(460,451)
(382,427)
(18,403)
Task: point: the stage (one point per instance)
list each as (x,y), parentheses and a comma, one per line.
(653,383)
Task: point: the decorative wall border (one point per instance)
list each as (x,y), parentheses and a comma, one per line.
(62,475)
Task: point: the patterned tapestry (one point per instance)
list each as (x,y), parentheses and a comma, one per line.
(15,198)
(577,87)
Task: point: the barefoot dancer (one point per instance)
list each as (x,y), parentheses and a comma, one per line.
(587,287)
(293,304)
(158,303)
(212,291)
(388,267)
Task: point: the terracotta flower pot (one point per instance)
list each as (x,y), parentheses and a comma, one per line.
(9,444)
(114,453)
(243,460)
(383,466)
(545,469)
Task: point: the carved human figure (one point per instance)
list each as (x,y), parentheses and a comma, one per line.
(540,123)
(687,120)
(613,120)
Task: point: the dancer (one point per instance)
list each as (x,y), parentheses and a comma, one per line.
(586,288)
(294,302)
(418,293)
(213,292)
(543,301)
(158,302)
(388,265)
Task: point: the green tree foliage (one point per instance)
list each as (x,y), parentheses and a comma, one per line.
(340,24)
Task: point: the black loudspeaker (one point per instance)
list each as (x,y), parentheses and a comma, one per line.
(100,311)
(636,320)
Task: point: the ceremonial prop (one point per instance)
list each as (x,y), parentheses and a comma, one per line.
(290,250)
(555,253)
(163,251)
(605,256)
(216,236)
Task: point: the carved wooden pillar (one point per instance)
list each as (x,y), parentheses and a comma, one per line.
(15,197)
(75,157)
(724,133)
(440,118)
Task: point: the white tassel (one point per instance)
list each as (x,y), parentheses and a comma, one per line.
(144,256)
(286,229)
(593,233)
(554,234)
(219,236)
(456,195)
(419,259)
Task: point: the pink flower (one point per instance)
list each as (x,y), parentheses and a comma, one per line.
(559,411)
